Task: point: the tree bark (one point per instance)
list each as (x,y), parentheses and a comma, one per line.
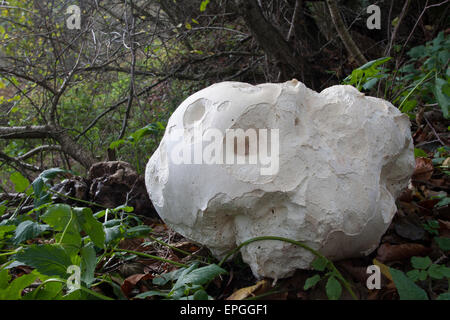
(270,39)
(345,36)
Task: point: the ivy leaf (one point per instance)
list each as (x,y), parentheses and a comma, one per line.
(333,288)
(406,288)
(311,282)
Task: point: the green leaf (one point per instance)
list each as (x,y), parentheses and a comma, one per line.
(151,293)
(91,226)
(419,153)
(88,263)
(51,260)
(421,262)
(193,276)
(201,295)
(4,279)
(443,243)
(112,233)
(51,291)
(203,5)
(444,296)
(169,276)
(57,216)
(406,288)
(311,282)
(319,264)
(20,182)
(444,202)
(438,271)
(60,218)
(5,230)
(15,288)
(138,231)
(442,98)
(28,230)
(333,288)
(414,275)
(116,144)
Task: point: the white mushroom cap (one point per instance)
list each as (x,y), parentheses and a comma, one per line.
(343,159)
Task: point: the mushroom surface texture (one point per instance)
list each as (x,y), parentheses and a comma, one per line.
(239,161)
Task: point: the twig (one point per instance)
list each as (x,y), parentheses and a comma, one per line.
(434,131)
(349,44)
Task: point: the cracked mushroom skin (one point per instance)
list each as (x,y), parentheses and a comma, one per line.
(343,159)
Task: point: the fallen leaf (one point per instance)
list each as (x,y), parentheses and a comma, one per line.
(257,289)
(387,252)
(383,268)
(130,282)
(424,169)
(408,228)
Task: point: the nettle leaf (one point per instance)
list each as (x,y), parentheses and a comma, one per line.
(91,226)
(13,291)
(20,182)
(421,262)
(406,288)
(51,260)
(28,230)
(333,288)
(443,243)
(311,282)
(319,264)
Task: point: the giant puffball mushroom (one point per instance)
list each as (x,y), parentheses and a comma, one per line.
(329,167)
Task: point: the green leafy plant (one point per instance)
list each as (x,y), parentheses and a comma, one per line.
(423,269)
(367,76)
(333,287)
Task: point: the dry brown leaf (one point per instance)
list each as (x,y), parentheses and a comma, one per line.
(130,282)
(257,289)
(387,252)
(424,169)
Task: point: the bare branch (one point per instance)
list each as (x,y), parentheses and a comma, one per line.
(345,36)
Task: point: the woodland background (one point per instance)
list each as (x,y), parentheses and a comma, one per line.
(70,99)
